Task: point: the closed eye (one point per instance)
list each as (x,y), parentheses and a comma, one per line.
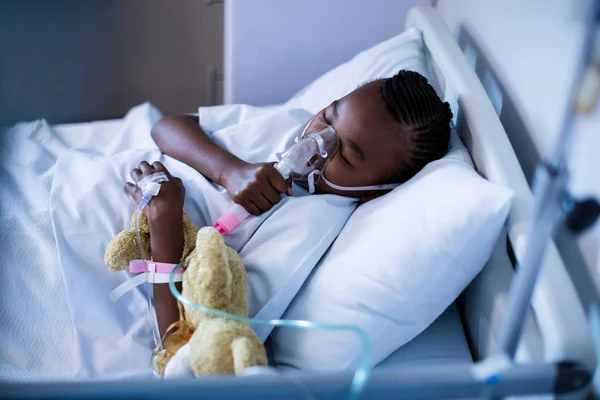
(341,151)
(324,116)
(343,157)
(346,160)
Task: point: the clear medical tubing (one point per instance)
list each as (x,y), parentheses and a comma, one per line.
(149,292)
(362,374)
(150,187)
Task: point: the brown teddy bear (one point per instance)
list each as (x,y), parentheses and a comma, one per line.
(124,247)
(215,277)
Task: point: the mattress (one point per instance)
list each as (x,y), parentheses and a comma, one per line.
(36,323)
(442,343)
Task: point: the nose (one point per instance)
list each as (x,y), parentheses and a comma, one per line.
(306,128)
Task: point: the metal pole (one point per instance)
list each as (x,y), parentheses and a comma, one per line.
(550,201)
(549,190)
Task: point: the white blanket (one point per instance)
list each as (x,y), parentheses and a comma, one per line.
(35,321)
(39,338)
(82,334)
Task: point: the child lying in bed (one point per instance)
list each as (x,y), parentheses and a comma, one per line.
(388,130)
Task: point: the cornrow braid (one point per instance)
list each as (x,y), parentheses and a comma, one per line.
(414,103)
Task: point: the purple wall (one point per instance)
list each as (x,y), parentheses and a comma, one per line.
(275,47)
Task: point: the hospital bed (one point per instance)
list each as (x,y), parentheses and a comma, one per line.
(555,355)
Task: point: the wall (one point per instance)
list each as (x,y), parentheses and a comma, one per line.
(323,34)
(528,52)
(71,60)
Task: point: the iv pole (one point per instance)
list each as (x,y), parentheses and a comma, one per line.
(552,203)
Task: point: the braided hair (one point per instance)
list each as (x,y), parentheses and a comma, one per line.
(425,120)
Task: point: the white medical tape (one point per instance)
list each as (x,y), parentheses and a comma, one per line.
(151,277)
(150,185)
(311,181)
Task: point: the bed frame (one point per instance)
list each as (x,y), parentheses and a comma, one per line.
(557,329)
(555,356)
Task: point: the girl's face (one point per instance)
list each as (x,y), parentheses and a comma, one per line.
(369,142)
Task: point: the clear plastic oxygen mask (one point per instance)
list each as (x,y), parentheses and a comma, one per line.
(307,161)
(311,152)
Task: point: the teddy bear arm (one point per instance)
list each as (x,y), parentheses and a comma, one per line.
(208,276)
(124,248)
(247,352)
(160,361)
(189,234)
(144,225)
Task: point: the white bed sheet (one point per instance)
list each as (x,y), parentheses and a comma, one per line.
(36,325)
(39,340)
(35,321)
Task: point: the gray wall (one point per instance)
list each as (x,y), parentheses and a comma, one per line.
(302,38)
(526,53)
(72,60)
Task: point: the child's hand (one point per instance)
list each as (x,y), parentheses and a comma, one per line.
(165,215)
(256,187)
(168,204)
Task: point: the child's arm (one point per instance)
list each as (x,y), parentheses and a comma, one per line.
(256,187)
(181,137)
(165,216)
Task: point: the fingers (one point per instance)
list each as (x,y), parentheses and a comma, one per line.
(133,191)
(159,167)
(252,208)
(271,196)
(146,168)
(277,181)
(171,194)
(141,171)
(271,187)
(258,187)
(280,185)
(262,203)
(136,175)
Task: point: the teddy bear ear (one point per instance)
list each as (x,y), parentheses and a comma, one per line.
(209,235)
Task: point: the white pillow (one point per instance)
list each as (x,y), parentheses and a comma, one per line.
(383,60)
(399,262)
